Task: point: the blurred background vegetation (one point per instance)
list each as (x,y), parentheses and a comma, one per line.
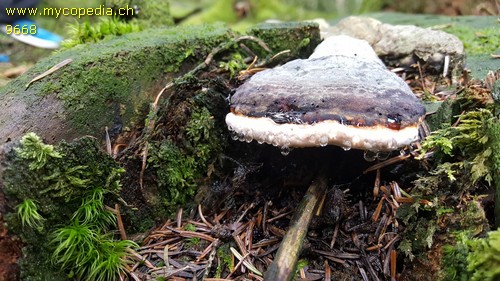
(240,14)
(233,11)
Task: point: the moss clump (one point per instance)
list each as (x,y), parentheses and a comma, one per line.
(449,198)
(226,260)
(493,131)
(462,155)
(28,212)
(234,65)
(86,32)
(473,259)
(60,192)
(36,151)
(179,165)
(468,139)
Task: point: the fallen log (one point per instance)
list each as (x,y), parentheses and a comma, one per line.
(109,83)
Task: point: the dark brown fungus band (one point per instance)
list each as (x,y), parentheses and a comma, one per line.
(342,95)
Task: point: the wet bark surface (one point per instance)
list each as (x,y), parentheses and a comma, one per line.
(10,250)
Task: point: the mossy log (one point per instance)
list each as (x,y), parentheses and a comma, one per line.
(109,83)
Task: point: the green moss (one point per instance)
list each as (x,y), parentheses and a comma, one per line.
(178,166)
(453,189)
(301,264)
(444,115)
(153,13)
(28,213)
(484,262)
(190,227)
(455,259)
(34,150)
(493,133)
(468,139)
(479,43)
(299,37)
(86,32)
(193,242)
(477,40)
(54,186)
(234,65)
(473,258)
(226,257)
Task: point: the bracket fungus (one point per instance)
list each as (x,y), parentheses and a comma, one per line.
(341,95)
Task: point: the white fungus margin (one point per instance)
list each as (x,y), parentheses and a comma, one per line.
(328,132)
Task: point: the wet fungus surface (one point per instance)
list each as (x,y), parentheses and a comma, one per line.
(342,95)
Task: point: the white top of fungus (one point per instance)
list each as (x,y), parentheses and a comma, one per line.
(343,45)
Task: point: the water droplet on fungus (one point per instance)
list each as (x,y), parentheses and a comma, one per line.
(370,156)
(323,140)
(285,150)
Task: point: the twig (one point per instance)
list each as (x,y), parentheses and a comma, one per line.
(108,142)
(334,236)
(121,228)
(211,258)
(393,265)
(328,271)
(179,218)
(245,212)
(203,217)
(264,217)
(209,249)
(240,244)
(249,235)
(165,256)
(142,259)
(279,216)
(283,266)
(224,47)
(190,234)
(50,71)
(320,205)
(387,162)
(134,276)
(376,185)
(247,264)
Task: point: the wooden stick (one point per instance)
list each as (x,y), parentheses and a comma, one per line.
(285,262)
(50,71)
(121,228)
(393,265)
